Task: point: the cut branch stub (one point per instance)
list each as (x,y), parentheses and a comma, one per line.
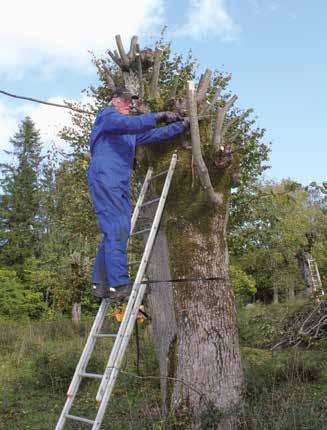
(214,197)
(139,70)
(155,73)
(122,53)
(218,134)
(203,85)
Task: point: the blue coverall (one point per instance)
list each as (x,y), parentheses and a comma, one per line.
(113,139)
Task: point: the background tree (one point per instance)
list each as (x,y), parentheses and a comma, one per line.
(20,201)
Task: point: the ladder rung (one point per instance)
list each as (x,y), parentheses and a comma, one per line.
(105,335)
(159,174)
(141,231)
(81,419)
(149,202)
(91,375)
(132,263)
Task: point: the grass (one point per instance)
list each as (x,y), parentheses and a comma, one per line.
(285,389)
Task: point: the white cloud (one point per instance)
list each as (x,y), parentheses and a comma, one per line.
(58,34)
(49,120)
(208,18)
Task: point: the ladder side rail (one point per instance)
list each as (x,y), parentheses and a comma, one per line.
(141,197)
(83,362)
(139,276)
(116,367)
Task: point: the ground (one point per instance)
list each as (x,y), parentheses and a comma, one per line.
(285,389)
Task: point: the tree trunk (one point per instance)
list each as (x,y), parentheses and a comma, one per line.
(161,303)
(204,357)
(291,293)
(76,314)
(276,295)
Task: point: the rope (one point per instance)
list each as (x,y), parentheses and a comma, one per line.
(45,103)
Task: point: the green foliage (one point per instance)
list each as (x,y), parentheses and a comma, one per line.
(16,301)
(19,205)
(243,284)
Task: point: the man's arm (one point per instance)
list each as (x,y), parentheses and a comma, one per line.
(158,135)
(111,121)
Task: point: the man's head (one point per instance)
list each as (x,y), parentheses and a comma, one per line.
(123,100)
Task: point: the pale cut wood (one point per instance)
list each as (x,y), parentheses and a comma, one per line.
(139,70)
(123,55)
(155,73)
(214,197)
(218,134)
(203,86)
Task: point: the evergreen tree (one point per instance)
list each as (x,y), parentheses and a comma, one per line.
(20,200)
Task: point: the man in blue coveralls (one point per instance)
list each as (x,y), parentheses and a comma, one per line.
(113,139)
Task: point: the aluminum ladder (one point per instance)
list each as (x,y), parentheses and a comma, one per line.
(111,372)
(315,276)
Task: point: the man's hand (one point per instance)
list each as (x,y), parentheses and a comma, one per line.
(167,117)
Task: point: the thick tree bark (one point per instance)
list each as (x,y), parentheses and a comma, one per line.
(161,303)
(204,356)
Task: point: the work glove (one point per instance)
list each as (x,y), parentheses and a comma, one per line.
(167,117)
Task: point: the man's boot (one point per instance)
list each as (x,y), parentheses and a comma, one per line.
(100,291)
(121,292)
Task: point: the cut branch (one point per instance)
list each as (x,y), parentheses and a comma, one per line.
(173,91)
(139,70)
(155,73)
(133,49)
(108,78)
(203,85)
(115,58)
(214,197)
(218,134)
(123,55)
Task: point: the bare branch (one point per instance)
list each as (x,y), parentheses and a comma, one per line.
(123,55)
(210,105)
(108,78)
(132,50)
(139,70)
(214,197)
(218,134)
(155,73)
(203,85)
(115,58)
(230,102)
(173,91)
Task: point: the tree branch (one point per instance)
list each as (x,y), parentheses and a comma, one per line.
(173,91)
(203,85)
(139,69)
(108,78)
(133,49)
(214,197)
(218,134)
(115,58)
(155,73)
(122,53)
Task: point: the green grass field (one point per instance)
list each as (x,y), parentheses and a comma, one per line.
(285,389)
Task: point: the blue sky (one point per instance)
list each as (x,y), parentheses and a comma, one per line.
(274,49)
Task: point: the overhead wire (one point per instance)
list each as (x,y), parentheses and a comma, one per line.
(46,103)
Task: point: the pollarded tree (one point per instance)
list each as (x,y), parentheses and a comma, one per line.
(194,322)
(20,201)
